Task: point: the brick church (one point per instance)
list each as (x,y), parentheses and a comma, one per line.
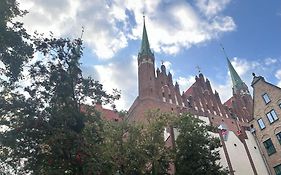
(156,90)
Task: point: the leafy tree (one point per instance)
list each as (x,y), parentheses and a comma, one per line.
(15,48)
(46,131)
(196,149)
(134,148)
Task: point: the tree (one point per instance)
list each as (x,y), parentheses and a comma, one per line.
(46,131)
(15,48)
(196,149)
(134,148)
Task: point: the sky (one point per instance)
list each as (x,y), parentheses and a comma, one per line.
(184,34)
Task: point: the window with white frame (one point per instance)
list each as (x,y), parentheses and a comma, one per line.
(272,116)
(261,123)
(266,98)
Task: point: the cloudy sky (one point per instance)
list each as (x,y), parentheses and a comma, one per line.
(185,34)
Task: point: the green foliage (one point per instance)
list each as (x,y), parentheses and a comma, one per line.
(196,149)
(15,48)
(46,131)
(131,148)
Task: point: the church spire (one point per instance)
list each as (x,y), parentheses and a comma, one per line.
(237,82)
(145,48)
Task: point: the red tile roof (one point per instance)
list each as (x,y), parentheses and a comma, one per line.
(189,91)
(228,103)
(106,114)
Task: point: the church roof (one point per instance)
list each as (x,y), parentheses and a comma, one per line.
(145,48)
(228,103)
(106,114)
(189,91)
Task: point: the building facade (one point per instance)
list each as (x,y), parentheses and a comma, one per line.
(266,124)
(156,90)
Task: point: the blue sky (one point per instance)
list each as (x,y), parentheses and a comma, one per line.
(184,34)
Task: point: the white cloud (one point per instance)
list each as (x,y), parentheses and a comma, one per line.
(223,88)
(241,65)
(178,25)
(110,76)
(269,61)
(99,18)
(278,76)
(222,24)
(110,24)
(185,82)
(167,64)
(211,7)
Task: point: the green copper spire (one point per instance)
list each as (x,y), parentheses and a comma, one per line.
(238,84)
(145,48)
(236,80)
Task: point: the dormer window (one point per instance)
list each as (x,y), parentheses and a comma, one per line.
(266,98)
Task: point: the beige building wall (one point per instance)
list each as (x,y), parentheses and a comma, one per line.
(261,108)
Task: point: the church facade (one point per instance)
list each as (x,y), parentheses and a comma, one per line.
(156,90)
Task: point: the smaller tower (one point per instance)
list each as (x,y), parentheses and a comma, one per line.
(146,68)
(241,102)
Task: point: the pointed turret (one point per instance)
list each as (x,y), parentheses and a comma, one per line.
(238,84)
(145,48)
(239,87)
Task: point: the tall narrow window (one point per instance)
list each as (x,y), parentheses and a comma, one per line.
(277,169)
(272,116)
(266,98)
(163,95)
(170,98)
(261,123)
(279,137)
(269,147)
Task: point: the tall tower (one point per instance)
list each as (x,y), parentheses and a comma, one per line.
(146,69)
(242,103)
